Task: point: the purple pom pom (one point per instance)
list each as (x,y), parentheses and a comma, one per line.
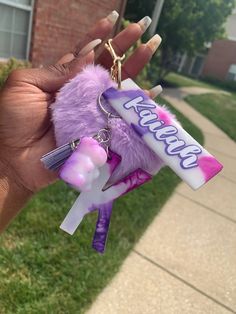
(76,114)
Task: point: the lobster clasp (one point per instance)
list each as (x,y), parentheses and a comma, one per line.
(116,69)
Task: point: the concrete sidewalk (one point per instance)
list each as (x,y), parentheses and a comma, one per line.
(186,260)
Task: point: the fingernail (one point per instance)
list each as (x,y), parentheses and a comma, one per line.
(145,23)
(155,91)
(154,43)
(89,47)
(113,17)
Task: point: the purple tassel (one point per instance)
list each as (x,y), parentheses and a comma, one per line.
(56,158)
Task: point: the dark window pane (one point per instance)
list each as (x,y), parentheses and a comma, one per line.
(5,44)
(21,21)
(6,14)
(19,46)
(197,65)
(25,2)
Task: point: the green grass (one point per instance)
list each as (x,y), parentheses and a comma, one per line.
(44,270)
(178,80)
(220,109)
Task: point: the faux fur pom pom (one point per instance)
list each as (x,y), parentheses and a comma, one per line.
(76,114)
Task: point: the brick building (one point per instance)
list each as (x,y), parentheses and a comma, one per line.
(41,31)
(220,60)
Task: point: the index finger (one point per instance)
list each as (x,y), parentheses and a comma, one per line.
(100,30)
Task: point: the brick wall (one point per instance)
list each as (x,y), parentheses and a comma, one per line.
(59,24)
(221,55)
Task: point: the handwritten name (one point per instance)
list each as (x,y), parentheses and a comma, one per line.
(165,133)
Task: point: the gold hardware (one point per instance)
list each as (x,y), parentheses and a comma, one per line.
(116,69)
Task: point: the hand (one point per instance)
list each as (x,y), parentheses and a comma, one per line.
(26,132)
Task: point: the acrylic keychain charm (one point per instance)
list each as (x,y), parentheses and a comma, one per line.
(163,135)
(99,196)
(128,151)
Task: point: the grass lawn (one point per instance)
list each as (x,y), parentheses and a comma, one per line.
(178,80)
(220,109)
(44,270)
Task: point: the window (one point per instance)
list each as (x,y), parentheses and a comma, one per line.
(15,28)
(232,73)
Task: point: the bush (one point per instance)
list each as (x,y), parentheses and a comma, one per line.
(228,85)
(8,67)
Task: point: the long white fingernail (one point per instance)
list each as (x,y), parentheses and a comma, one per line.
(113,17)
(154,43)
(144,23)
(89,47)
(155,91)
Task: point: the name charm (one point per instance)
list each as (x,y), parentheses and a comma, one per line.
(165,133)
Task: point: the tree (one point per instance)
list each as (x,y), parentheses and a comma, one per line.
(184,25)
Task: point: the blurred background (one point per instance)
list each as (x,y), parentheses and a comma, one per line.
(201,45)
(170,250)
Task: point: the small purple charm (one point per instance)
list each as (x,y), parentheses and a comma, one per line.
(82,167)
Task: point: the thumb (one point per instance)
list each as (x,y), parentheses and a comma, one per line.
(50,78)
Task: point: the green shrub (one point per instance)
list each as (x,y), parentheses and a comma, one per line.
(8,67)
(228,85)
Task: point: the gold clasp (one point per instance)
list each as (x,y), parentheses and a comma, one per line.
(116,69)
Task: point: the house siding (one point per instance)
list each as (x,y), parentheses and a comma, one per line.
(59,24)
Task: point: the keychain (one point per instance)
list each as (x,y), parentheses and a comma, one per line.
(113,138)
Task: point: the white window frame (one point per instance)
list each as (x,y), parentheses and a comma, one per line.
(28,8)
